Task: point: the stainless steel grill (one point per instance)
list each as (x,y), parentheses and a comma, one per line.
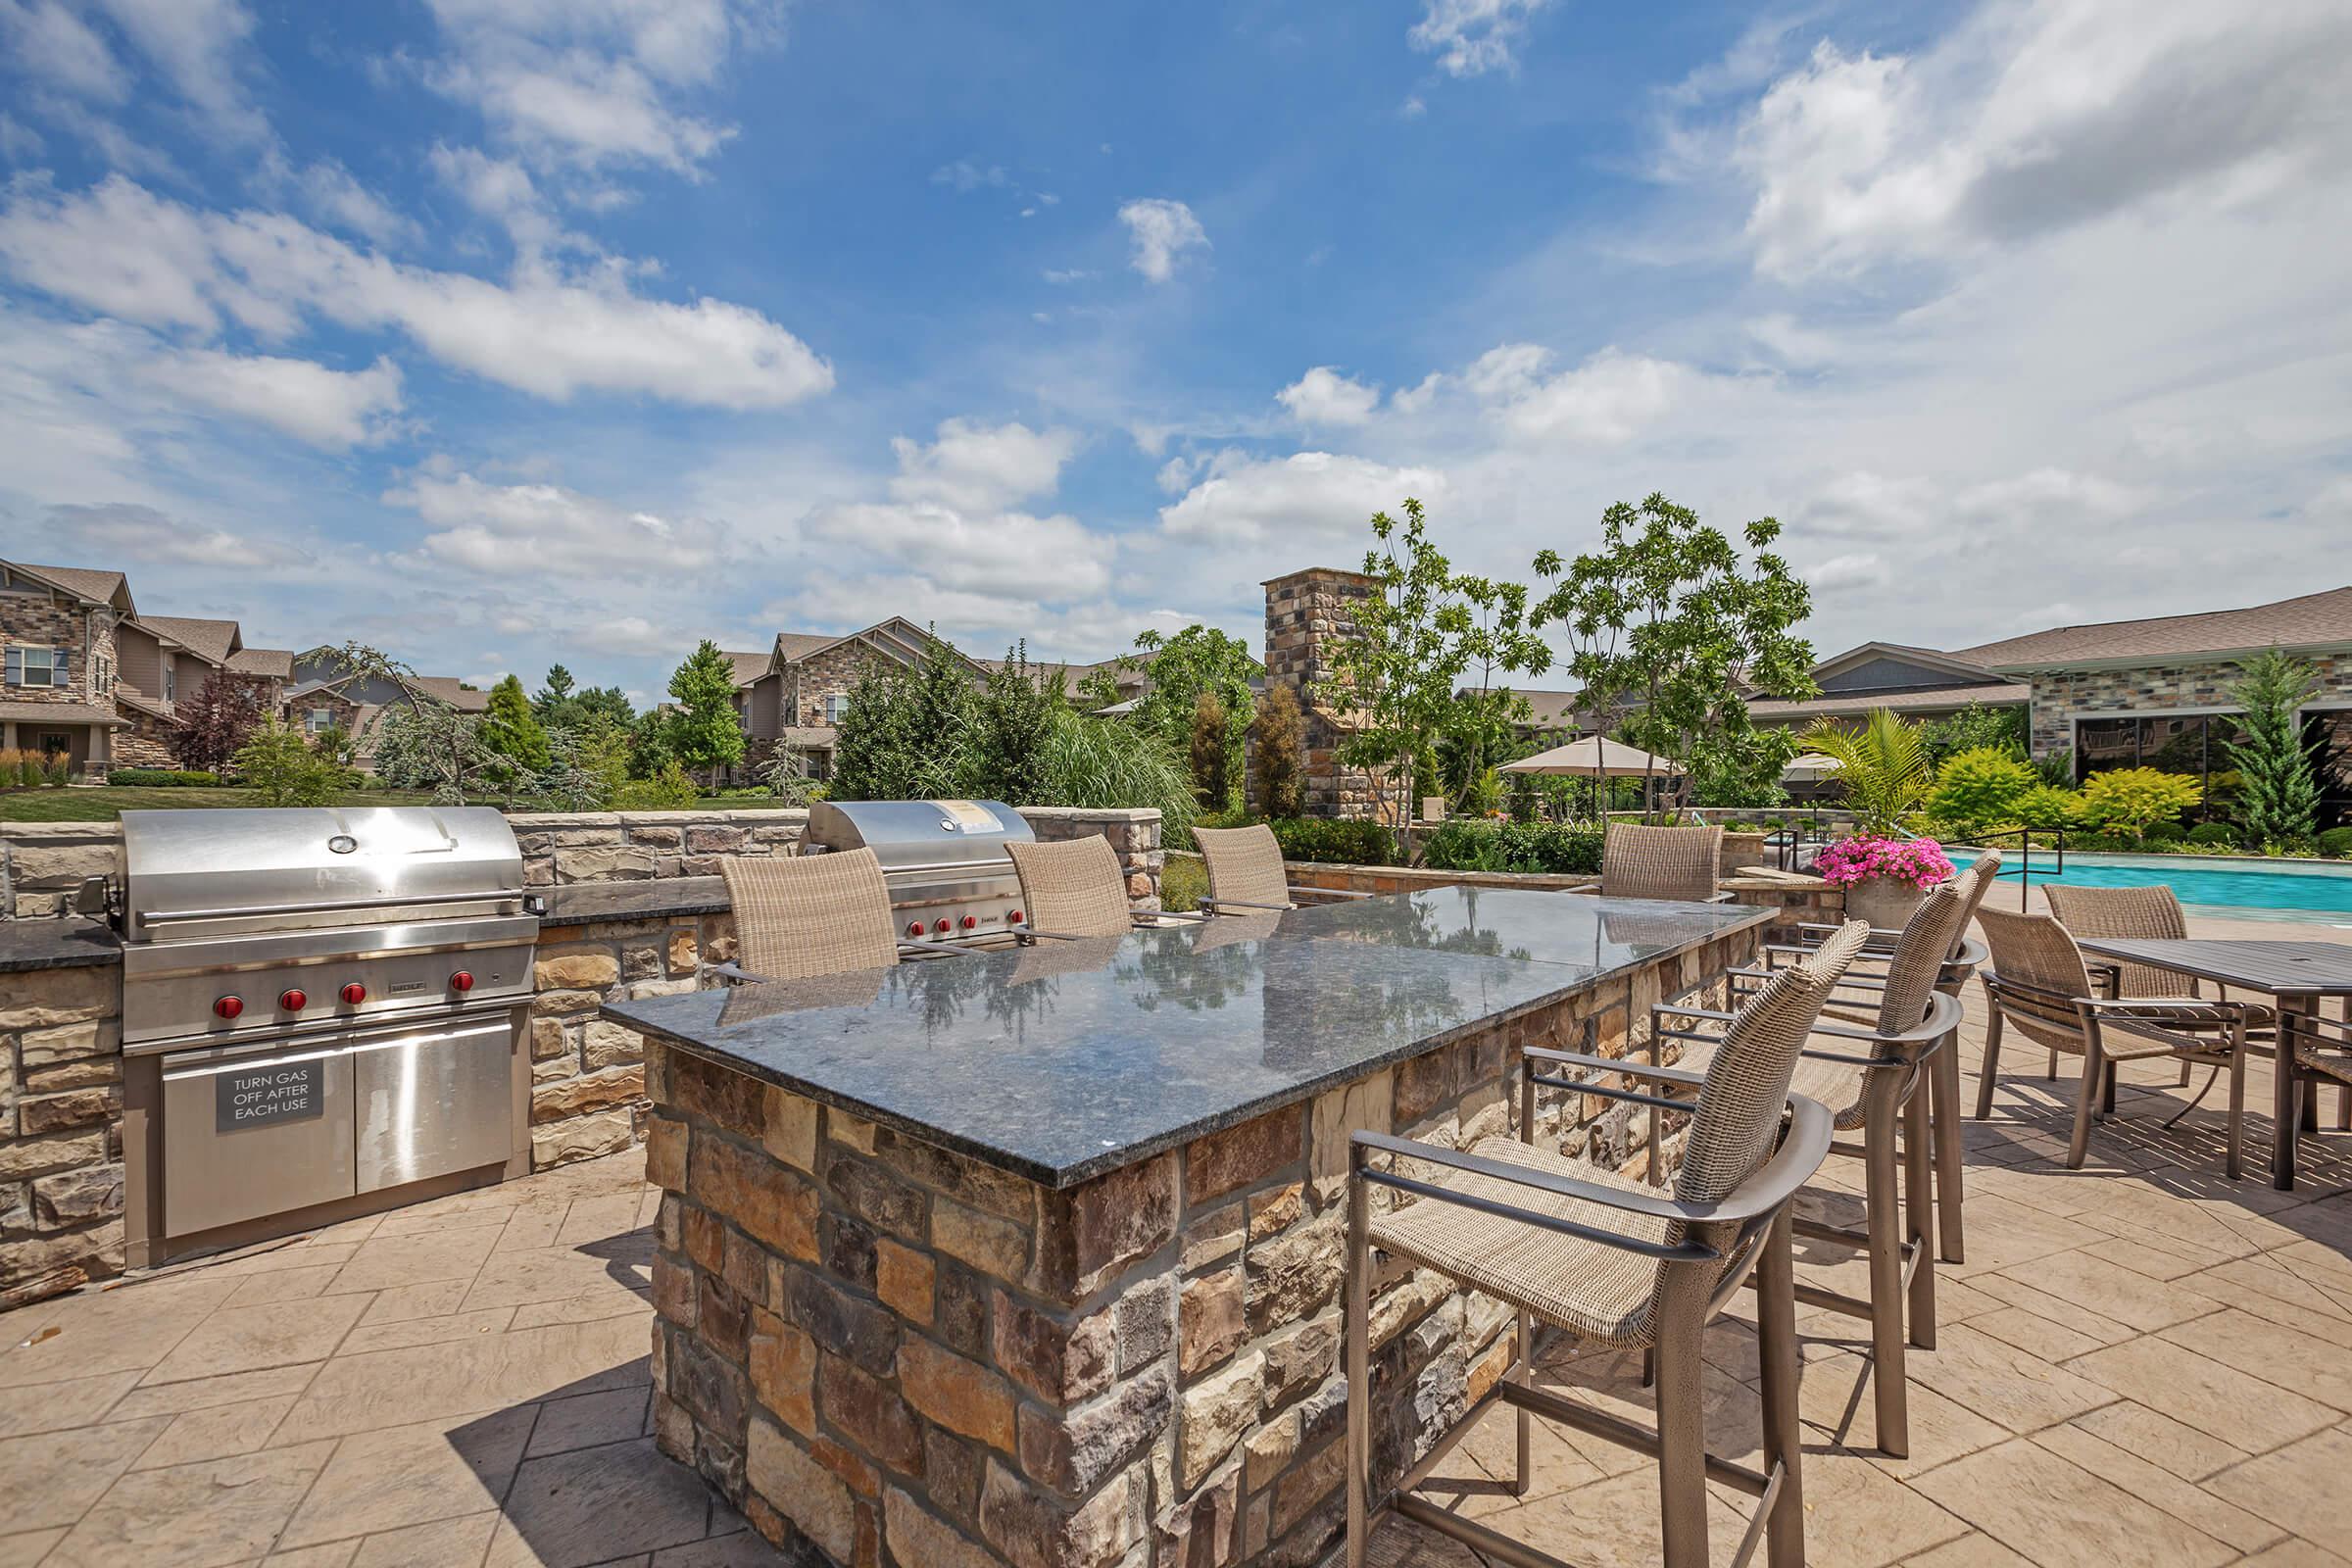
(944,861)
(335,998)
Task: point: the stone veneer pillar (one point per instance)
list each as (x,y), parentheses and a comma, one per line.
(1307,613)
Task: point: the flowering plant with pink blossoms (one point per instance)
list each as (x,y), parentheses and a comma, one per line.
(1865,858)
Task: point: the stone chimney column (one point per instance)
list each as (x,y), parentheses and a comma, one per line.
(1308,614)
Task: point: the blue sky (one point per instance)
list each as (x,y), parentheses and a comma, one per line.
(501,332)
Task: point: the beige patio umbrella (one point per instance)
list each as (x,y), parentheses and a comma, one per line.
(1809,768)
(1595,757)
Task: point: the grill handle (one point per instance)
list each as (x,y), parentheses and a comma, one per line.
(1001,863)
(333,906)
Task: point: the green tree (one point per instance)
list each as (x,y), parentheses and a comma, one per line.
(1010,720)
(1199,658)
(1394,680)
(1979,788)
(702,731)
(1278,754)
(2138,798)
(426,744)
(1669,617)
(908,731)
(1497,640)
(1974,727)
(285,770)
(1880,766)
(510,729)
(552,703)
(2278,783)
(214,723)
(2046,808)
(1208,742)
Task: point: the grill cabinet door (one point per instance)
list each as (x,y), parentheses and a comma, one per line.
(432,1102)
(249,1133)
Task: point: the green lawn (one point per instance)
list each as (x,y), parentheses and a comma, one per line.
(103,803)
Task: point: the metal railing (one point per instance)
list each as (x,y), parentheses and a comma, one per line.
(2022,869)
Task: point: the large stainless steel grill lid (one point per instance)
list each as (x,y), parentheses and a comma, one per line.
(943,861)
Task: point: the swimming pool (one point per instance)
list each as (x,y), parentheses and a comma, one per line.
(2229,887)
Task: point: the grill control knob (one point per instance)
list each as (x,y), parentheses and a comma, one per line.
(971,922)
(227,1008)
(914,928)
(940,929)
(355,994)
(293,1001)
(1015,918)
(461,982)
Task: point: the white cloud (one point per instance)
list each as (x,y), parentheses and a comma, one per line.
(548,529)
(1471,37)
(1606,401)
(195,45)
(121,250)
(1848,573)
(1062,277)
(1323,396)
(326,407)
(2031,118)
(1868,505)
(966,177)
(593,84)
(130,532)
(1005,556)
(976,467)
(55,47)
(1161,232)
(1304,501)
(342,201)
(2051,494)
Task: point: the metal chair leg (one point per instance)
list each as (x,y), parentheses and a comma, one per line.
(1359,1331)
(1884,1227)
(1919,1194)
(2094,1072)
(1944,1104)
(1776,1354)
(1992,1057)
(1681,1437)
(1525,1374)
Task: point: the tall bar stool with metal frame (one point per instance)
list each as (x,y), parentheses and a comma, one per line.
(1879,1088)
(1246,872)
(1074,890)
(1617,1262)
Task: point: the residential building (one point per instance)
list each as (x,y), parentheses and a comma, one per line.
(794,694)
(90,679)
(326,694)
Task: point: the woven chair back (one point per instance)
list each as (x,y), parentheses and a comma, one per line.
(2033,952)
(2127,913)
(1974,883)
(1073,887)
(801,915)
(1244,864)
(1660,863)
(1919,957)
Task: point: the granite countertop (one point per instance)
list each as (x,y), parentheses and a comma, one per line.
(1067,1059)
(71,943)
(577,902)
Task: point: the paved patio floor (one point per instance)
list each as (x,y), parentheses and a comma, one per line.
(2140,1363)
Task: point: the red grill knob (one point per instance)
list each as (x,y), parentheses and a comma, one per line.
(971,922)
(1015,918)
(227,1008)
(461,982)
(941,929)
(914,928)
(354,993)
(293,1001)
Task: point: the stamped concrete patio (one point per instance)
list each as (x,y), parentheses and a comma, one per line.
(2140,1362)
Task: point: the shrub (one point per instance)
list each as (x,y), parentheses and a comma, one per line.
(162,778)
(2136,799)
(670,790)
(1207,743)
(1979,788)
(21,767)
(2214,833)
(2046,808)
(285,770)
(2166,833)
(1559,849)
(1102,764)
(1334,840)
(2336,842)
(1278,755)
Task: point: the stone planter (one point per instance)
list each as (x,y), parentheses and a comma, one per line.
(1741,851)
(1885,901)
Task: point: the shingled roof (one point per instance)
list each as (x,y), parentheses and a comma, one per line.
(209,640)
(2306,622)
(100,586)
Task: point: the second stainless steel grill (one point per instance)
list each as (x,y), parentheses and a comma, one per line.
(944,861)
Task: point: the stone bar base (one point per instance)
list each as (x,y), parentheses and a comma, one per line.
(894,1354)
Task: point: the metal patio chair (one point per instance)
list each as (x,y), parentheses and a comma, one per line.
(798,917)
(2039,985)
(2150,911)
(1662,862)
(1616,1262)
(1074,889)
(1246,872)
(1882,1086)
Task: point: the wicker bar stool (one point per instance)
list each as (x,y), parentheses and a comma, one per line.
(1616,1262)
(1074,889)
(2039,985)
(1881,1087)
(1246,872)
(798,917)
(1662,862)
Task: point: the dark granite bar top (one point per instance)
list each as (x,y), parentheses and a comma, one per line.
(73,943)
(655,899)
(1067,1059)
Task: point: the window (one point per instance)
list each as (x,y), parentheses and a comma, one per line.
(318,721)
(2189,744)
(38,667)
(171,679)
(53,746)
(835,706)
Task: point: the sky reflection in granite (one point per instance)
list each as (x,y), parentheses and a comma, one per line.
(1065,1059)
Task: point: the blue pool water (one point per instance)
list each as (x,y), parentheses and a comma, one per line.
(2247,890)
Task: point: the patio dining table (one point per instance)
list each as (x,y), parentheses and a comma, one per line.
(2296,975)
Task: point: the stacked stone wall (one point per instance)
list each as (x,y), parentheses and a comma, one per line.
(2061,696)
(1308,614)
(61,1130)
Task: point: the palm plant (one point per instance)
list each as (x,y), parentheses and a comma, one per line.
(1881,765)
